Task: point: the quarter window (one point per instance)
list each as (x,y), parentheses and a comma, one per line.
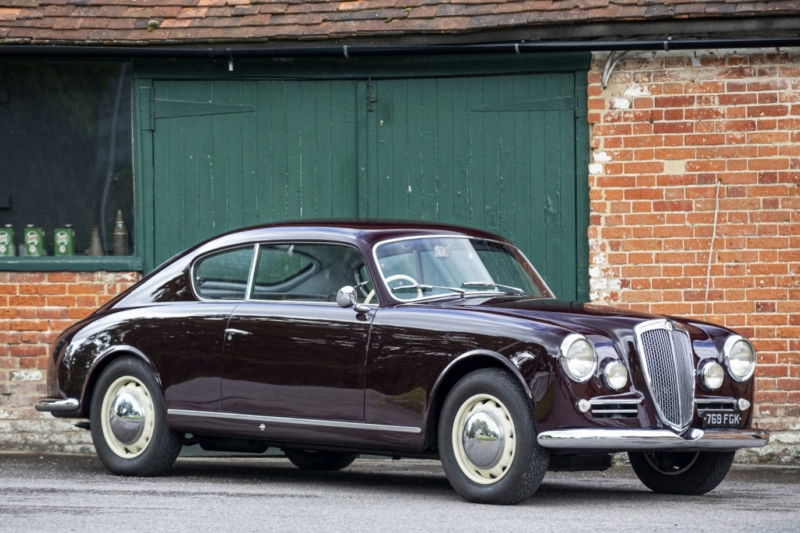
(223,276)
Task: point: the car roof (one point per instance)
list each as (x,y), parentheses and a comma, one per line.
(367,231)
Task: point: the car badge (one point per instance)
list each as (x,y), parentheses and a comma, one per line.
(669,326)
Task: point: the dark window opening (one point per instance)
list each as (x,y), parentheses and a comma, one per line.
(66,153)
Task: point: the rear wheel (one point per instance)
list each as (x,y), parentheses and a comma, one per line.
(129,421)
(690,473)
(487,440)
(320,460)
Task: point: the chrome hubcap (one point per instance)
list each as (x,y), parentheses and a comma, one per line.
(483,439)
(127,417)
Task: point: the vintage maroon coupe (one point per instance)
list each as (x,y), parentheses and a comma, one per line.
(331,339)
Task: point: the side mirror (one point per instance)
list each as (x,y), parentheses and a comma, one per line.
(346,297)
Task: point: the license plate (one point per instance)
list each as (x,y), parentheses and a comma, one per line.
(721,420)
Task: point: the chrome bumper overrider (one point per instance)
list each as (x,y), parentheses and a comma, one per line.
(57,404)
(623,440)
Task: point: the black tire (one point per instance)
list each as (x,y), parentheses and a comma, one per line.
(158,447)
(319,460)
(523,475)
(688,473)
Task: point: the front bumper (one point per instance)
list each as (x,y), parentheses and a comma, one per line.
(59,405)
(636,440)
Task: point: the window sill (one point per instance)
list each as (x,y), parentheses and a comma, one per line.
(75,263)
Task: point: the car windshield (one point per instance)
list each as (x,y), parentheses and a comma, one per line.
(427,267)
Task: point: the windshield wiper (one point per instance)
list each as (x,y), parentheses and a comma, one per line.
(424,288)
(487,284)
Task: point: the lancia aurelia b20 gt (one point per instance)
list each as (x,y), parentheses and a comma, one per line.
(331,339)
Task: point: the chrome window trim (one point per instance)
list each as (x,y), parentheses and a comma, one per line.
(726,350)
(445,236)
(252,272)
(661,323)
(295,421)
(251,277)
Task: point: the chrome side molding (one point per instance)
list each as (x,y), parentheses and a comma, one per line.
(294,421)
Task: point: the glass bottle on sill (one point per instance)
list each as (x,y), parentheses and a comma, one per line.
(120,235)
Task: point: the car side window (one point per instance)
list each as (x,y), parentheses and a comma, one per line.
(224,275)
(309,272)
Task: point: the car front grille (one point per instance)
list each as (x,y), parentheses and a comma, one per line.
(666,356)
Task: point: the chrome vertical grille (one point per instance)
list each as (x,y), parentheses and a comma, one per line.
(666,357)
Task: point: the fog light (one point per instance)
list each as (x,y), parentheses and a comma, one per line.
(615,375)
(744,405)
(578,357)
(584,406)
(739,358)
(712,375)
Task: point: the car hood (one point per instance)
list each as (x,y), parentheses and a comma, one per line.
(586,319)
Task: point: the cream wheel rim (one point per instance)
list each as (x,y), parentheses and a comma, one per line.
(128,385)
(494,408)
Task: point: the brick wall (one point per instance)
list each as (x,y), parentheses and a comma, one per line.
(670,133)
(34,309)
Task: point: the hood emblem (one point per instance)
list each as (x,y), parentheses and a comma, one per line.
(669,326)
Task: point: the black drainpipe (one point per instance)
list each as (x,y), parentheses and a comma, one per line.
(218,53)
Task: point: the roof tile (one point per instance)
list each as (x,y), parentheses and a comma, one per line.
(422,12)
(121,24)
(94,23)
(240,11)
(175,23)
(125,21)
(191,12)
(7,13)
(67,24)
(296,19)
(35,13)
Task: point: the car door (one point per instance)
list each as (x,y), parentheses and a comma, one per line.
(290,350)
(186,337)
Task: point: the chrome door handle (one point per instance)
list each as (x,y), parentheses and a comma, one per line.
(231,332)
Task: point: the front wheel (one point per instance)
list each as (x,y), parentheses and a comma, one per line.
(320,460)
(129,421)
(487,440)
(688,473)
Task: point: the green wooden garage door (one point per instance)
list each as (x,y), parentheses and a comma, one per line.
(492,152)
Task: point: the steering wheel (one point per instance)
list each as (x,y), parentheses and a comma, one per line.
(396,277)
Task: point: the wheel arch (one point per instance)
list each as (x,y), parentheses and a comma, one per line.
(453,372)
(101,363)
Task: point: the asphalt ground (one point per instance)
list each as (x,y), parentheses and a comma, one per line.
(60,493)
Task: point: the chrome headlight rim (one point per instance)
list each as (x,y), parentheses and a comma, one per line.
(730,342)
(566,344)
(607,380)
(704,379)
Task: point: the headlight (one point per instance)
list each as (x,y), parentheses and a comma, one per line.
(615,375)
(711,375)
(739,358)
(578,357)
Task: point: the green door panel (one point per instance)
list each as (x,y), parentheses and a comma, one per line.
(490,152)
(229,154)
(496,153)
